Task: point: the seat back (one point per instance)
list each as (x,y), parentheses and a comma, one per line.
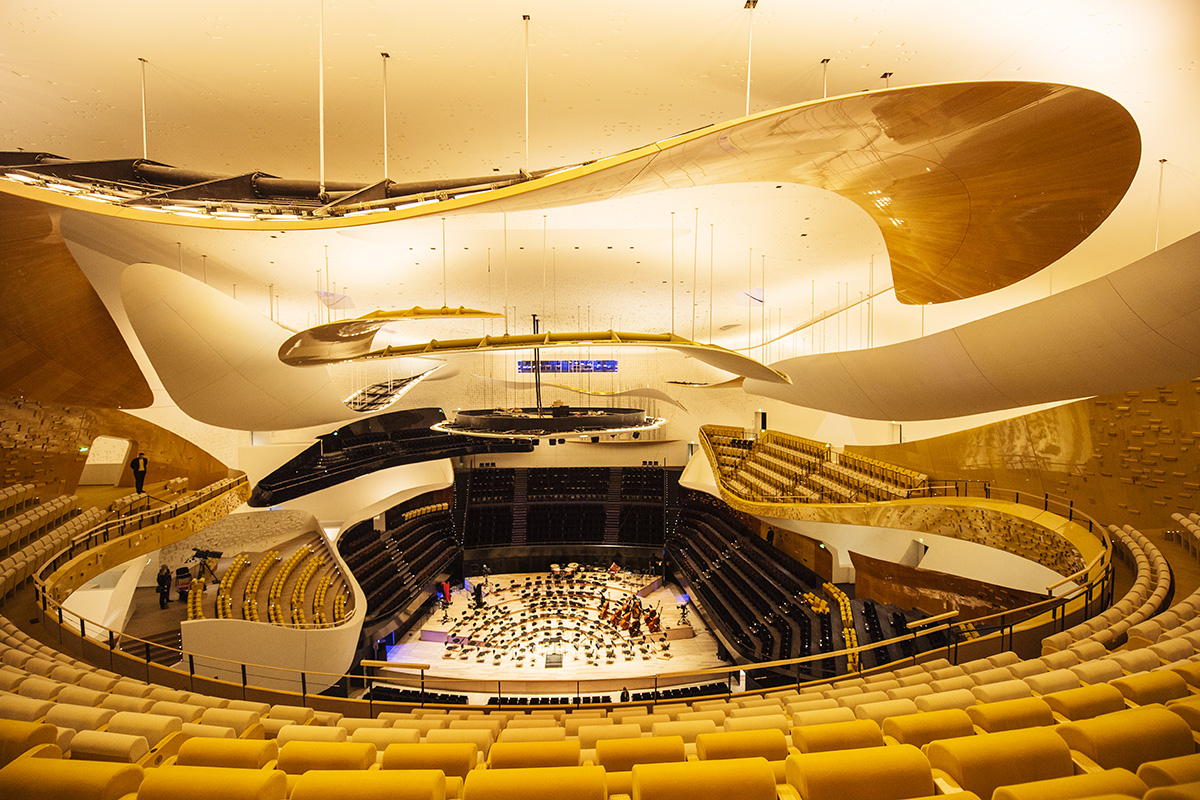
(54,779)
(1007,715)
(175,782)
(743,778)
(981,763)
(766,743)
(1129,738)
(371,785)
(620,755)
(876,773)
(298,757)
(837,736)
(452,758)
(237,753)
(921,729)
(547,783)
(516,755)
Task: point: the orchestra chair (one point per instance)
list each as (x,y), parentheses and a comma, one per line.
(921,729)
(231,753)
(172,783)
(32,778)
(852,735)
(320,784)
(878,773)
(619,756)
(1127,738)
(986,761)
(1090,784)
(743,778)
(546,783)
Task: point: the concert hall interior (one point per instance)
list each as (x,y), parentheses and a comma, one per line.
(616,400)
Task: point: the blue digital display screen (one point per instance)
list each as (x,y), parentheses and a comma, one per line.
(569,366)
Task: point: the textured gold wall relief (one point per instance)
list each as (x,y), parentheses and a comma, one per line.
(1128,458)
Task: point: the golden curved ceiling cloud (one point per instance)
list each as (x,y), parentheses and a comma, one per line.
(973,185)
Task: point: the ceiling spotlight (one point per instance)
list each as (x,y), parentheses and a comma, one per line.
(885,76)
(751,4)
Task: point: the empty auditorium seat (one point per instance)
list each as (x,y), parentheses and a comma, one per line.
(1129,738)
(984,762)
(878,773)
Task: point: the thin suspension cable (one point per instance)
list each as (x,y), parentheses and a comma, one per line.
(712,235)
(145,149)
(444,305)
(526,18)
(672,272)
(824,77)
(506,273)
(385,116)
(543,267)
(749,301)
(749,54)
(321,93)
(1162,163)
(695,258)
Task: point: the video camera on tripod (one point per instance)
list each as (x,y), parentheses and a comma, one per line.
(203,557)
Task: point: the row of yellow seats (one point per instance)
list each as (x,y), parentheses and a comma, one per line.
(250,593)
(301,587)
(433,508)
(286,570)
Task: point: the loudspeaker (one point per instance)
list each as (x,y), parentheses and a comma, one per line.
(554,660)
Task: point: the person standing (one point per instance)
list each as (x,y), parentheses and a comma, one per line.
(138,465)
(164,586)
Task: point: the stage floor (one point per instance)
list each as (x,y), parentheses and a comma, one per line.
(522,670)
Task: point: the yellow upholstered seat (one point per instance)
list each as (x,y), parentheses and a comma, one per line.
(296,758)
(620,755)
(320,784)
(107,746)
(236,753)
(1129,738)
(741,778)
(1169,771)
(516,755)
(1184,791)
(885,709)
(54,779)
(482,739)
(172,783)
(877,773)
(1120,782)
(837,736)
(1006,715)
(17,737)
(921,729)
(959,698)
(768,743)
(455,759)
(1086,701)
(1152,687)
(982,763)
(548,783)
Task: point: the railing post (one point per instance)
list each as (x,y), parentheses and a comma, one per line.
(243,681)
(303,688)
(192,672)
(147,651)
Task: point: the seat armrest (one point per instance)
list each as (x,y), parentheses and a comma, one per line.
(163,750)
(1083,764)
(944,783)
(783,791)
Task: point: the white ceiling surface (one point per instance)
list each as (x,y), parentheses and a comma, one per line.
(1136,327)
(231,87)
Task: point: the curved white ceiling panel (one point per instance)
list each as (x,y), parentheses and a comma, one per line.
(218,360)
(1136,327)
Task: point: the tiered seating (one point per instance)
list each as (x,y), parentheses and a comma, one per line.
(1077,722)
(32,522)
(365,446)
(274,610)
(176,485)
(301,587)
(131,503)
(1142,601)
(250,593)
(225,588)
(849,635)
(393,566)
(882,480)
(195,598)
(16,498)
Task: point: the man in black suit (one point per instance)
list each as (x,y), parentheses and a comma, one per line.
(138,465)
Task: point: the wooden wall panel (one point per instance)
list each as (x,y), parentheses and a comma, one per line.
(41,442)
(57,340)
